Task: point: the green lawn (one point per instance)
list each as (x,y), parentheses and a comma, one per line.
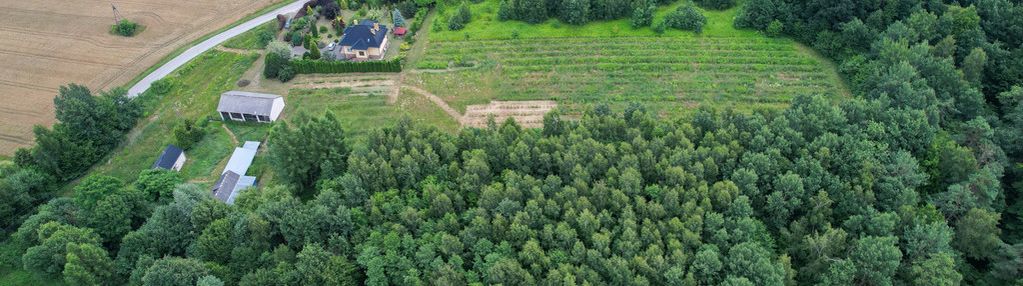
(250,39)
(361,113)
(609,61)
(196,90)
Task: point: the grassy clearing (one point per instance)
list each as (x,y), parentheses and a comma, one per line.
(609,61)
(196,90)
(250,39)
(361,113)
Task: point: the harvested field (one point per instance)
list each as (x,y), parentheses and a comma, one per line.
(527,114)
(44,45)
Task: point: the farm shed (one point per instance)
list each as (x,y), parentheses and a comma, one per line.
(233,179)
(367,40)
(230,185)
(172,158)
(250,106)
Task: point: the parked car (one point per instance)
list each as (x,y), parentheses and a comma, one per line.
(330,47)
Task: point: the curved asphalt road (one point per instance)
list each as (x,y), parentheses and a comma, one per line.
(208,44)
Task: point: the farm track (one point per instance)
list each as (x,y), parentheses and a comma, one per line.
(437,100)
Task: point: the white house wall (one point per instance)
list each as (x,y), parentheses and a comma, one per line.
(180,162)
(277,108)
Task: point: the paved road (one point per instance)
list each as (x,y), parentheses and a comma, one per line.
(208,44)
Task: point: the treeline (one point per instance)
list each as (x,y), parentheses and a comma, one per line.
(583,11)
(817,194)
(958,67)
(317,66)
(88,127)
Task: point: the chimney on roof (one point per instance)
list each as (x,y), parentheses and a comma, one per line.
(376,27)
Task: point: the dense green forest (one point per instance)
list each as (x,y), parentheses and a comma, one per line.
(916,180)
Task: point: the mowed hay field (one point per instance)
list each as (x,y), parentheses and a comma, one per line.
(46,44)
(610,61)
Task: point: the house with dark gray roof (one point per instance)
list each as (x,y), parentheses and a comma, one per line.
(250,106)
(172,158)
(233,180)
(366,40)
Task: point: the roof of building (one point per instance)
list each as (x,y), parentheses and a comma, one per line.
(247,102)
(244,182)
(168,157)
(229,186)
(362,36)
(224,186)
(242,157)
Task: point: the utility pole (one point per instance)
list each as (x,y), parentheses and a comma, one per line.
(117,15)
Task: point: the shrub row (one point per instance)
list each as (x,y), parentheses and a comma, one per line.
(317,66)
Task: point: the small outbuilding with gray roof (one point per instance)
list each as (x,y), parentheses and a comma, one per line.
(233,180)
(250,106)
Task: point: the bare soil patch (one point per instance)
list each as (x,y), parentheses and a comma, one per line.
(44,45)
(528,113)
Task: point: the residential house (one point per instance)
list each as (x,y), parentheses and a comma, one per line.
(172,158)
(233,180)
(364,41)
(250,106)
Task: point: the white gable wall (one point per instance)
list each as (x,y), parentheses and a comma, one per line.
(179,163)
(277,108)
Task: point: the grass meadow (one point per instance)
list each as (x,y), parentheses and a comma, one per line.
(250,39)
(360,112)
(195,91)
(609,61)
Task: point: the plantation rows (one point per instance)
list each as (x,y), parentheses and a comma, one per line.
(666,70)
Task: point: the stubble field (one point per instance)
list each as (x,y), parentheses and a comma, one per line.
(46,44)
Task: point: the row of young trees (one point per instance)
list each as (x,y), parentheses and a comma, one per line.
(582,11)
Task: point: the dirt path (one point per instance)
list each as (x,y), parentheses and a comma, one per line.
(436,100)
(348,84)
(234,139)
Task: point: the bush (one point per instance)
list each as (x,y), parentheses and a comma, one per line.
(686,18)
(188,133)
(643,16)
(279,48)
(274,64)
(757,14)
(407,7)
(659,28)
(264,37)
(296,39)
(774,29)
(125,28)
(716,4)
(462,17)
(286,74)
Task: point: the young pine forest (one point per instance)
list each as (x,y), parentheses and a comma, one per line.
(914,179)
